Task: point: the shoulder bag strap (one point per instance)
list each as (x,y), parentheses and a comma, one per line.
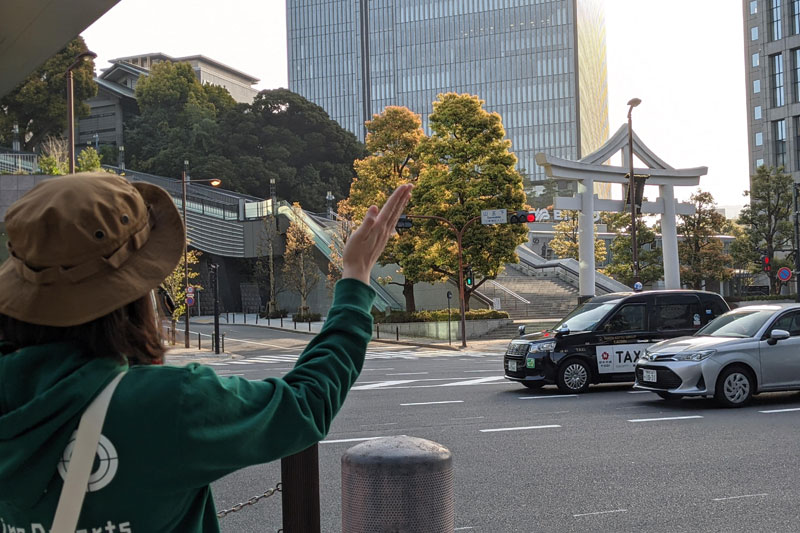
(80,463)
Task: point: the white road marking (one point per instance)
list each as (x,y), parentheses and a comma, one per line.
(664,418)
(476,381)
(468,418)
(433,403)
(738,497)
(519,428)
(640,392)
(600,512)
(409,374)
(492,370)
(358,440)
(781,410)
(382,384)
(548,397)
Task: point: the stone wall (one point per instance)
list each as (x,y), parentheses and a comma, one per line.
(13,186)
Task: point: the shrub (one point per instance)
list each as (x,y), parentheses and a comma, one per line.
(435,316)
(88,160)
(279,313)
(307,317)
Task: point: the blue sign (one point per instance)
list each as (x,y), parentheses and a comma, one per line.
(784,274)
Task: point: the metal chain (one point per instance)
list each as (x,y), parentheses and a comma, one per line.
(251,501)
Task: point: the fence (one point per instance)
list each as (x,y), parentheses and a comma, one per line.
(18,162)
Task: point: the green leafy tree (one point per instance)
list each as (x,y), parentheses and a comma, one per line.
(300,271)
(700,251)
(39,104)
(264,264)
(468,166)
(565,239)
(88,160)
(767,218)
(393,140)
(174,284)
(650,260)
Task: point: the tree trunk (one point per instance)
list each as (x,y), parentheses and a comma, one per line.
(408,292)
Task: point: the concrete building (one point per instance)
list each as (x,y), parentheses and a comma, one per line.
(772,66)
(116,97)
(539,63)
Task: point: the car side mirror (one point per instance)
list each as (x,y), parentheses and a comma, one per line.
(777,335)
(563,330)
(521,330)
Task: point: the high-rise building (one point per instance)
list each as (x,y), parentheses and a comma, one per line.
(772,66)
(541,64)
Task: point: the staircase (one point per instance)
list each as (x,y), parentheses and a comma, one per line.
(528,299)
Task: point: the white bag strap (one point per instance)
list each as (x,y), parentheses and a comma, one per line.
(80,463)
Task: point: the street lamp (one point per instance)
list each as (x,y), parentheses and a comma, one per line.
(633,102)
(184,181)
(121,161)
(83,56)
(329,199)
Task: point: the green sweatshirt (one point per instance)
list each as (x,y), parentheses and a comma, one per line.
(169,431)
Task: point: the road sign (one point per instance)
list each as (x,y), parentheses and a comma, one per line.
(784,274)
(189,290)
(493,216)
(189,301)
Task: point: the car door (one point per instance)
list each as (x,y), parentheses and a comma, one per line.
(623,338)
(780,362)
(675,315)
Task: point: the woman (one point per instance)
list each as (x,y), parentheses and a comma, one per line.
(75,311)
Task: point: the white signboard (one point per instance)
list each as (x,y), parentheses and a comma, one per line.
(494,216)
(619,357)
(496,303)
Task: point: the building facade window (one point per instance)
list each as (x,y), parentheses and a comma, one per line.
(759,163)
(779,131)
(754,7)
(776,33)
(755,59)
(754,33)
(756,86)
(796,124)
(776,63)
(795,17)
(759,139)
(757,112)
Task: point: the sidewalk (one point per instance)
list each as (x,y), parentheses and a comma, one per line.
(178,354)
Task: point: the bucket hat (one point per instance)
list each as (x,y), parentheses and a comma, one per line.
(84,245)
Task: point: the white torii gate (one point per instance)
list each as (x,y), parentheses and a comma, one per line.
(590,169)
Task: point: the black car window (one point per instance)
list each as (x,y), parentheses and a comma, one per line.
(789,322)
(676,312)
(630,317)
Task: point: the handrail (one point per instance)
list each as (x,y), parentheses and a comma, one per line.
(509,291)
(533,260)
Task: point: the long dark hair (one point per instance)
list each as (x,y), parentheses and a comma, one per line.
(127,334)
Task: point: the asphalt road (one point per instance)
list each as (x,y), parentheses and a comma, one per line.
(610,460)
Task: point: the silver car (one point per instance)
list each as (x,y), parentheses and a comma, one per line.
(743,352)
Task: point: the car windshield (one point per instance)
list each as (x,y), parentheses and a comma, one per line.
(586,316)
(739,324)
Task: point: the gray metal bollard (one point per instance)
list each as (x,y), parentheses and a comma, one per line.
(398,484)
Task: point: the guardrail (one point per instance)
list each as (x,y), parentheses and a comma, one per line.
(12,162)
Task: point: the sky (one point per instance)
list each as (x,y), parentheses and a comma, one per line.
(683,58)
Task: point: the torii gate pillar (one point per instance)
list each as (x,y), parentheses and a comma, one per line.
(586,239)
(669,239)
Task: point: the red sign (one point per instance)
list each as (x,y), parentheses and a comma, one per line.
(784,274)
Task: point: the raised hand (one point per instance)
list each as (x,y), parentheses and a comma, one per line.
(366,244)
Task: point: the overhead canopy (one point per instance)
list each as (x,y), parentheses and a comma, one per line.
(33,30)
(592,167)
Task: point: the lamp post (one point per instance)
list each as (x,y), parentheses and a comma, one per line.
(71,106)
(121,161)
(184,181)
(633,102)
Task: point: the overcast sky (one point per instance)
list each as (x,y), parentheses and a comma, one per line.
(683,58)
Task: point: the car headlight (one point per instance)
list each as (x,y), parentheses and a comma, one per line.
(548,346)
(694,356)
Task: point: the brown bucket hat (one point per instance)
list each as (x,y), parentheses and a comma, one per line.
(84,245)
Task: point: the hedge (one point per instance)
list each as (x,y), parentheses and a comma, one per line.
(435,316)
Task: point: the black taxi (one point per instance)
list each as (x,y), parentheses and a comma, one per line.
(601,339)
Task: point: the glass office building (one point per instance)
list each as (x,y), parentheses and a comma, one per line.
(540,64)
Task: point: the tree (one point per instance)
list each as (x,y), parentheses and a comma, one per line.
(300,272)
(174,285)
(467,167)
(88,160)
(39,104)
(701,252)
(393,140)
(282,135)
(54,156)
(565,240)
(767,218)
(264,269)
(650,261)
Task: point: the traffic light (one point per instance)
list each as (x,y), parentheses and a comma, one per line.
(469,281)
(403,223)
(521,217)
(765,263)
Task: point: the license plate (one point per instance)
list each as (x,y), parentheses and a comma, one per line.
(512,366)
(649,375)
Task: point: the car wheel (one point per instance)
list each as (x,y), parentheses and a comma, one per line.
(734,387)
(669,395)
(573,376)
(536,385)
